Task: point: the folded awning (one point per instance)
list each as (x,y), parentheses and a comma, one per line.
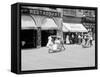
(27,22)
(75,27)
(48,24)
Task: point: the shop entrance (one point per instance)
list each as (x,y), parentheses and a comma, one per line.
(45,34)
(28,38)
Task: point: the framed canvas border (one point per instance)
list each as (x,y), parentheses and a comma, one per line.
(16,42)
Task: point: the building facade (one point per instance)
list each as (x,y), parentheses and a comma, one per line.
(80,16)
(73,18)
(38,23)
(41,22)
(88,21)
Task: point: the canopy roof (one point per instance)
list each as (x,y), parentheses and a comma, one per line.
(49,24)
(27,22)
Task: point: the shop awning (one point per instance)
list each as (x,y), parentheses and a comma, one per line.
(48,24)
(65,29)
(27,22)
(75,27)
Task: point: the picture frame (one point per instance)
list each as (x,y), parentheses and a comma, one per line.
(25,43)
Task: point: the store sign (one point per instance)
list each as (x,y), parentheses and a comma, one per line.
(41,12)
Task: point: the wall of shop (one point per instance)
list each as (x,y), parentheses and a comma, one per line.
(70,19)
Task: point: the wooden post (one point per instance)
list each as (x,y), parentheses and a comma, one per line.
(38,37)
(60,25)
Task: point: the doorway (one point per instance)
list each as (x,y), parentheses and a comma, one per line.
(45,34)
(28,38)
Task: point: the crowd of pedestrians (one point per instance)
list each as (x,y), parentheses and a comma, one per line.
(56,43)
(82,39)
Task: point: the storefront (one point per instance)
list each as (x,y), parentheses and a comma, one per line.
(43,23)
(72,27)
(28,32)
(89,23)
(48,28)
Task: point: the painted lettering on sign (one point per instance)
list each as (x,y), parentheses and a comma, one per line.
(40,12)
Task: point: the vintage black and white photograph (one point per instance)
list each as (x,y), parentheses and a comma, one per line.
(55,38)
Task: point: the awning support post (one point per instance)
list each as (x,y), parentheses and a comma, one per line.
(38,37)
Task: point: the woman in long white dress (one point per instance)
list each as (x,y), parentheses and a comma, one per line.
(67,39)
(53,45)
(57,43)
(50,43)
